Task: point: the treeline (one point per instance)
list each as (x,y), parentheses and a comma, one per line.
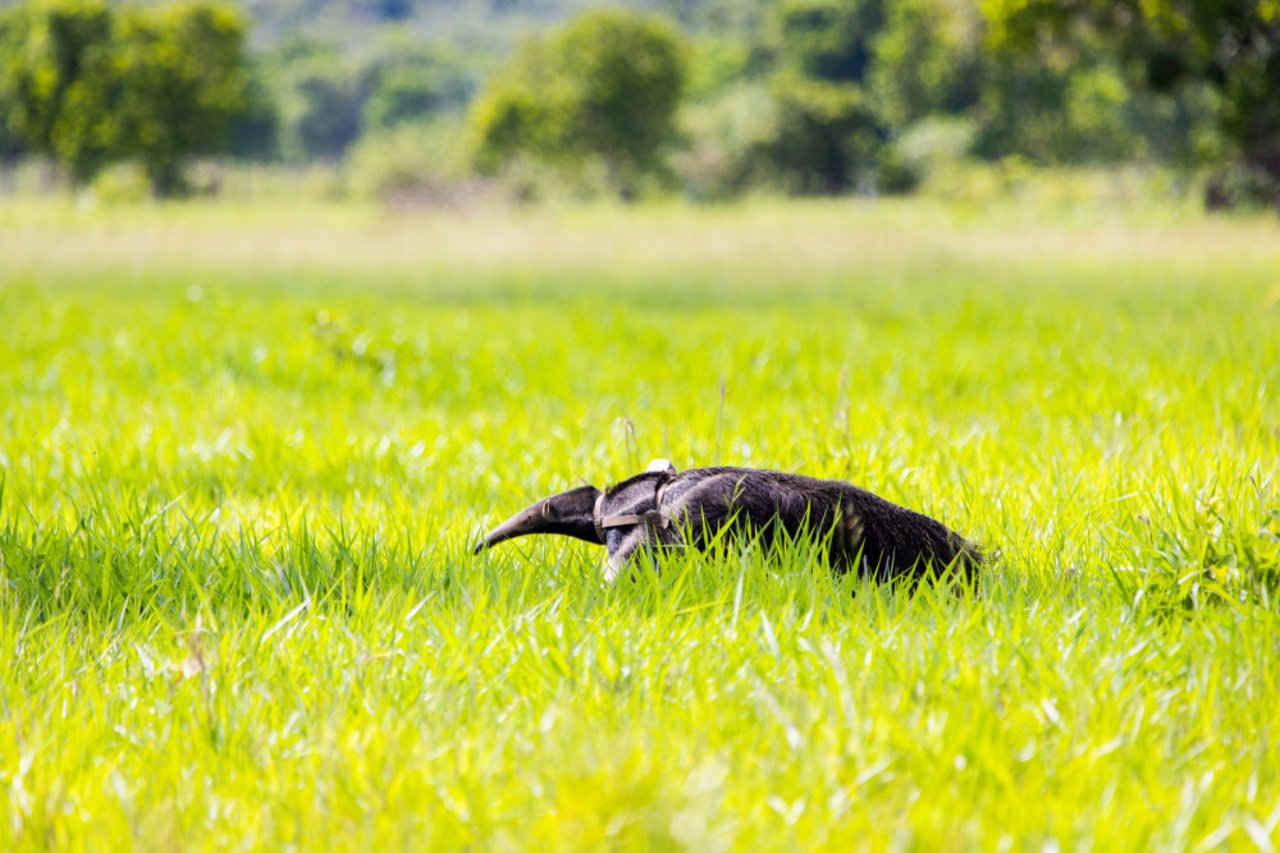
(718,98)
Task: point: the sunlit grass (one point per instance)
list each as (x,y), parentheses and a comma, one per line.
(244,452)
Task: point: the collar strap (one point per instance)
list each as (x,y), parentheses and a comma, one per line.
(654,516)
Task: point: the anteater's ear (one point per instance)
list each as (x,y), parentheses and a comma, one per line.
(660,466)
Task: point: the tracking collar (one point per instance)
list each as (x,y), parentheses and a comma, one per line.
(655,517)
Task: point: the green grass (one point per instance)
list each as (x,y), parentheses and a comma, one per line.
(244,452)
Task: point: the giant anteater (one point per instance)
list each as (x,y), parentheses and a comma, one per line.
(662,509)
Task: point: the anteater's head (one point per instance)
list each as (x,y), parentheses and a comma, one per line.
(570,513)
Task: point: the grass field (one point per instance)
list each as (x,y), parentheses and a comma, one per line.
(244,452)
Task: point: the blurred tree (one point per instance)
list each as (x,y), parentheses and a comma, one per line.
(329,120)
(526,107)
(1233,45)
(54,79)
(409,82)
(318,95)
(11,141)
(255,133)
(1059,104)
(928,60)
(830,39)
(89,86)
(828,136)
(1055,101)
(181,80)
(606,87)
(826,139)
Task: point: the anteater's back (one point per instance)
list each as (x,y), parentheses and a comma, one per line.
(884,539)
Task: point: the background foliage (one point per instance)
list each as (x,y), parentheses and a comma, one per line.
(805,96)
(1230,46)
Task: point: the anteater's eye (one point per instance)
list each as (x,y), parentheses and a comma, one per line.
(549,511)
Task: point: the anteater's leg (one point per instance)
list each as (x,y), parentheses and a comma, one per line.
(846,539)
(637,544)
